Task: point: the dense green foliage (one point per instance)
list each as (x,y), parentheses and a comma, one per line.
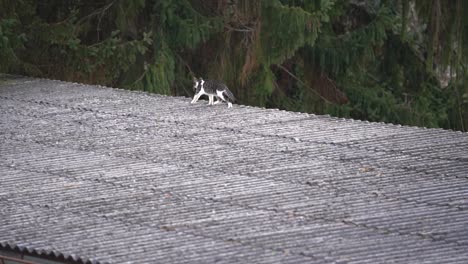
(393,61)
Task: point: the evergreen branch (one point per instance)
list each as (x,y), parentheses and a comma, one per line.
(98,27)
(185,63)
(97,12)
(248,29)
(139,78)
(303,83)
(188,92)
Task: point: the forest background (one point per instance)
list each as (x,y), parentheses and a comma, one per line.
(392,61)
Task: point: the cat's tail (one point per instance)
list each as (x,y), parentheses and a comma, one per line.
(229,95)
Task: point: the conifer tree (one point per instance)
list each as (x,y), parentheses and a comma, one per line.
(393,61)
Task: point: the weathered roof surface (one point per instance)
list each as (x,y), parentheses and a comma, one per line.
(112,176)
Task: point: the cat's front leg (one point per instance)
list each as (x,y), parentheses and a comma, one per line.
(195,98)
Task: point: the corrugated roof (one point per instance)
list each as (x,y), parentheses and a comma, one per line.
(106,175)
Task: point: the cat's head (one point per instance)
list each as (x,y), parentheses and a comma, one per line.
(195,83)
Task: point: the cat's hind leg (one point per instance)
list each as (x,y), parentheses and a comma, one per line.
(221,96)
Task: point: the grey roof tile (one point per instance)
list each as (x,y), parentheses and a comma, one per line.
(104,175)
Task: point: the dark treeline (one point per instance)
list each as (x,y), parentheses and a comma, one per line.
(379,60)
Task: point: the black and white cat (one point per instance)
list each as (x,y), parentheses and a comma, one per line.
(212,88)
